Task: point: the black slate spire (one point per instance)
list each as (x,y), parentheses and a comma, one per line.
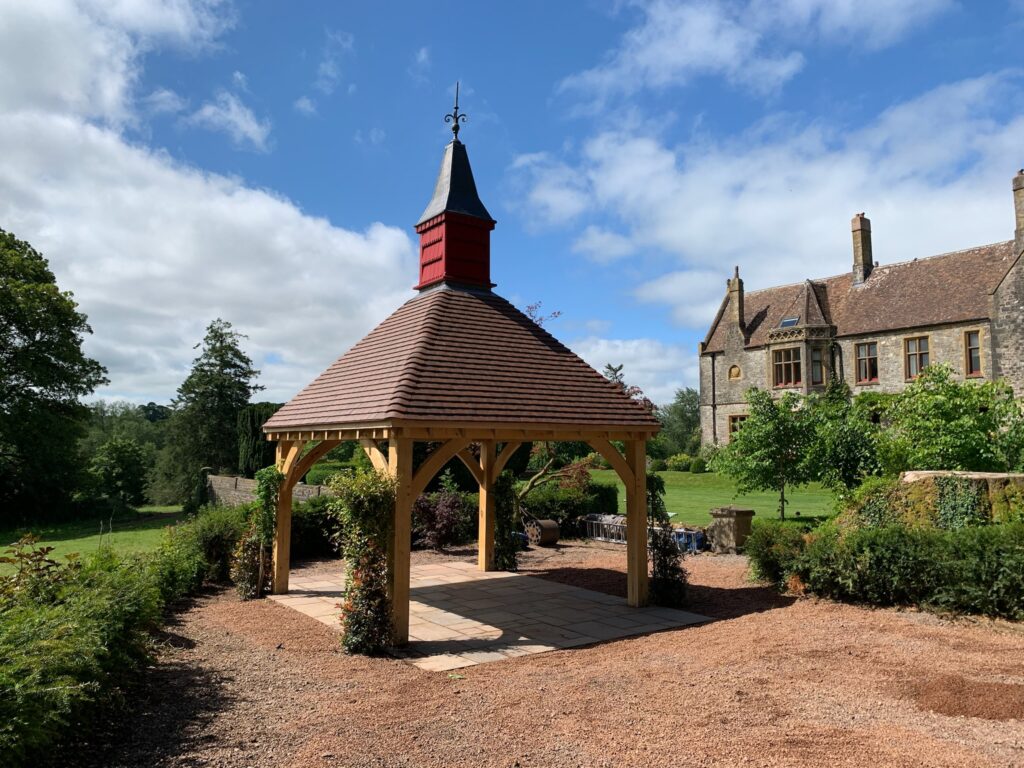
(455,189)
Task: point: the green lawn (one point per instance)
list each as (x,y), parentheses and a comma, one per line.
(690,497)
(132,533)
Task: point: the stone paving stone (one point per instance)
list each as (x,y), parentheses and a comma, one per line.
(460,616)
(442,663)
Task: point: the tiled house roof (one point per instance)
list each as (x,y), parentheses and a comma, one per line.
(950,288)
(455,355)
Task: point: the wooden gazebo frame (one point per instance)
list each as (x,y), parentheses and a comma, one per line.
(497,444)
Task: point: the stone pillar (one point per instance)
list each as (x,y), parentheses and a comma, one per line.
(729,529)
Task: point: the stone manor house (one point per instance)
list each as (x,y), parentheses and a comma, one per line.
(876,327)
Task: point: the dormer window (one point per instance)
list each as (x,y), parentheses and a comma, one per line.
(789,322)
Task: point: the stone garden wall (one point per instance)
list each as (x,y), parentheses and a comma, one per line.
(232,491)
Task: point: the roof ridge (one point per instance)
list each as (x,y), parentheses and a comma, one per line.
(943,255)
(880,266)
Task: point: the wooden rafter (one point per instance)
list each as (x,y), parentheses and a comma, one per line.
(475,431)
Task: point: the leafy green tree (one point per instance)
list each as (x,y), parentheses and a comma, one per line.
(120,467)
(43,375)
(768,453)
(109,419)
(843,449)
(940,423)
(680,426)
(203,431)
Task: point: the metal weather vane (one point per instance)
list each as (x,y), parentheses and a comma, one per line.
(455,117)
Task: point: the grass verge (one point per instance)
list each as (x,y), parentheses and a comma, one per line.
(690,497)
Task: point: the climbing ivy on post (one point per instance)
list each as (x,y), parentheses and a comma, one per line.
(506,543)
(364,504)
(251,567)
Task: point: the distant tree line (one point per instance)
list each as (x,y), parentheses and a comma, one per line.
(61,457)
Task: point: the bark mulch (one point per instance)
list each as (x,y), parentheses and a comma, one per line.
(776,681)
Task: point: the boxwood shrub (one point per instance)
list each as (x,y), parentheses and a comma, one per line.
(976,569)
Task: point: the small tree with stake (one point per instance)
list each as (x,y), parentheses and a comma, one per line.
(668,577)
(767,453)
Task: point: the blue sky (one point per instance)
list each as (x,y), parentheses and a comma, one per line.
(182,160)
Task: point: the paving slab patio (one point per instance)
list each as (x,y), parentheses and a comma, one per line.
(459,616)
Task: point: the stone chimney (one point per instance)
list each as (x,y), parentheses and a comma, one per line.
(1018,208)
(735,286)
(863,260)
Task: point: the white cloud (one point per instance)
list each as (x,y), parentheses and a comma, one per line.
(602,245)
(932,173)
(84,57)
(152,249)
(659,369)
(239,80)
(419,68)
(305,106)
(328,74)
(693,294)
(227,113)
(550,189)
(751,44)
(164,101)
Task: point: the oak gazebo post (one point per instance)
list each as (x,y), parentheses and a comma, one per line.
(636,523)
(485,539)
(285,453)
(400,544)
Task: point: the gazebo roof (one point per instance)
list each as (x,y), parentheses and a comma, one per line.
(457,355)
(462,356)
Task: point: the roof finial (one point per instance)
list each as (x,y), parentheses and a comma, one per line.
(455,117)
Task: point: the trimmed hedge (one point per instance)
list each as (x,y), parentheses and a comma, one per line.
(70,637)
(976,569)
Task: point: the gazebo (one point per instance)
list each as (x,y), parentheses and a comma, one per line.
(458,365)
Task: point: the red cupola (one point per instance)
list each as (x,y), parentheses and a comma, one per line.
(455,229)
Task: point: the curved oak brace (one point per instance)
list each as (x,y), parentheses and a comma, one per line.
(502,459)
(303,465)
(433,463)
(613,457)
(375,454)
(287,454)
(472,465)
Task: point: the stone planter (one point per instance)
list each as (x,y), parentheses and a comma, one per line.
(729,529)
